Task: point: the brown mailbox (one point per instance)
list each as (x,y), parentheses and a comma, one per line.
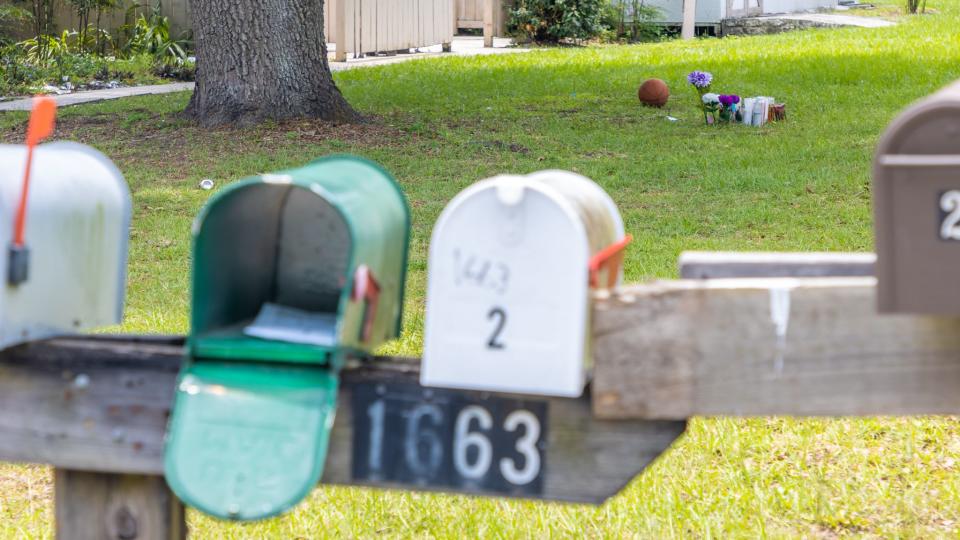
(917,208)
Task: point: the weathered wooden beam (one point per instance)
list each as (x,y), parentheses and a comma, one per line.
(812,346)
(489,21)
(339,9)
(101,404)
(95,404)
(104,506)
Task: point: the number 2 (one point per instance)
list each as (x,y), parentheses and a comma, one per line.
(950,228)
(501,316)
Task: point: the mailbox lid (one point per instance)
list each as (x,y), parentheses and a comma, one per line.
(917,167)
(248,441)
(77,231)
(295,238)
(374,206)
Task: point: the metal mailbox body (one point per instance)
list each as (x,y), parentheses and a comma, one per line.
(917,208)
(250,426)
(296,238)
(508,295)
(77,231)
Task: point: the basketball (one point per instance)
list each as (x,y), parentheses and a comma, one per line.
(654,93)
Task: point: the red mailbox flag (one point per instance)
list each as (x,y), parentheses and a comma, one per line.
(41,124)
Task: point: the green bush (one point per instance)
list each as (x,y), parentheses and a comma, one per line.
(632,20)
(553,21)
(913,6)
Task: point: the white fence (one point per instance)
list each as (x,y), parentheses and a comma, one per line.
(469,13)
(368,26)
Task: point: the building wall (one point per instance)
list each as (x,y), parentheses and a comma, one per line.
(789,6)
(711,12)
(708,11)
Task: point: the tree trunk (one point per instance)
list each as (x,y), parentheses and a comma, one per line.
(263,59)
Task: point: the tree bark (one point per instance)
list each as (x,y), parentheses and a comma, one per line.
(260,60)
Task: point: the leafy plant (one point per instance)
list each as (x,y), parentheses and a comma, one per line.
(152,35)
(103,38)
(41,14)
(557,20)
(633,20)
(45,51)
(11,15)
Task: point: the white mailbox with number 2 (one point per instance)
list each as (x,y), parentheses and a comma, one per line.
(512,263)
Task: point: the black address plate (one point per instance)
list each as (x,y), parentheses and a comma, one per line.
(407,434)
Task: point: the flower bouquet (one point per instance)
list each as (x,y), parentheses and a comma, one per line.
(715,107)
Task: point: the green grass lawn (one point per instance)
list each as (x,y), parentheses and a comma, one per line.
(440,125)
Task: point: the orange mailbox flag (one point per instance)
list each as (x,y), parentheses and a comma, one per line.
(42,121)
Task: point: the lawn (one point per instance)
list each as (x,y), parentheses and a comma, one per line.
(440,125)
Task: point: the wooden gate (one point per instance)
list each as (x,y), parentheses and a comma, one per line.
(368,26)
(469,13)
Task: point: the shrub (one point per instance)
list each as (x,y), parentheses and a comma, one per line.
(633,20)
(552,21)
(916,5)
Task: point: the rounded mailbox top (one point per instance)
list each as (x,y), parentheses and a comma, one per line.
(508,298)
(76,230)
(916,196)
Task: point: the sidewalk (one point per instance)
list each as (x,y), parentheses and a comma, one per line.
(462,46)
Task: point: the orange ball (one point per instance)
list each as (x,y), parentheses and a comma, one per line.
(654,93)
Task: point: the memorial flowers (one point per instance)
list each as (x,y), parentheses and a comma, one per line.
(709,103)
(715,107)
(729,108)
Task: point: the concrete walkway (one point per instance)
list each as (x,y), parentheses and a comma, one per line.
(462,46)
(838,20)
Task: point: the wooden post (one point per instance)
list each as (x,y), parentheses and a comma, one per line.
(448,46)
(489,19)
(340,28)
(104,506)
(689,19)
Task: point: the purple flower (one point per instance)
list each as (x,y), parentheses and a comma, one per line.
(700,79)
(727,101)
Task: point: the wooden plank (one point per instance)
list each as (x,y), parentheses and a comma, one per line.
(488,22)
(101,404)
(341,10)
(584,460)
(810,346)
(719,265)
(102,506)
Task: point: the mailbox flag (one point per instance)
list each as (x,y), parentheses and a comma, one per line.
(40,127)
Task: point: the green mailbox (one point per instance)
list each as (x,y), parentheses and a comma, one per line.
(292,273)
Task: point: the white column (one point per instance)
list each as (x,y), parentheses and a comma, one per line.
(689,19)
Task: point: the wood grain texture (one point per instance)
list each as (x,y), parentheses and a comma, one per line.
(101,404)
(586,460)
(102,506)
(677,349)
(97,404)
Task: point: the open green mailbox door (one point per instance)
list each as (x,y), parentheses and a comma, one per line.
(292,273)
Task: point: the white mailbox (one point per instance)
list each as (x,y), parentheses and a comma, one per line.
(77,222)
(512,262)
